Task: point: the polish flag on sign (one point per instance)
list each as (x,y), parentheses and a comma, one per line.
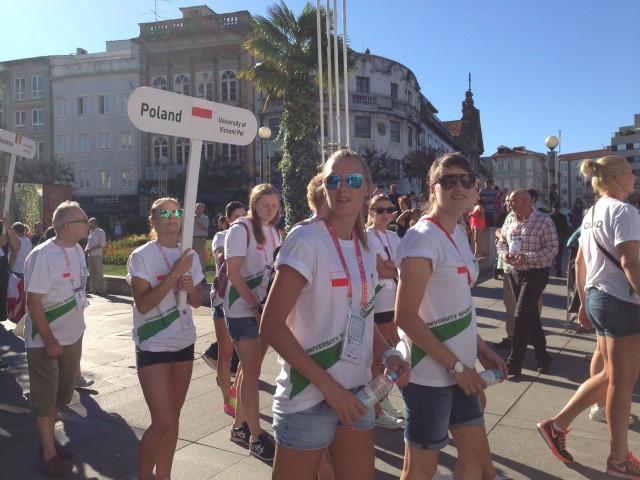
(201,112)
(339,279)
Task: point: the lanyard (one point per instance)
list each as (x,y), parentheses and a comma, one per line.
(69,273)
(273,247)
(387,248)
(166,261)
(363,275)
(435,221)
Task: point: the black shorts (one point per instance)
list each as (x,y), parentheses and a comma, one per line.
(383,317)
(145,359)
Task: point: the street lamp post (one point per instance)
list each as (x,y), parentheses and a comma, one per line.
(552,142)
(265,134)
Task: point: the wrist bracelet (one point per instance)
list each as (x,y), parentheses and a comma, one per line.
(390,353)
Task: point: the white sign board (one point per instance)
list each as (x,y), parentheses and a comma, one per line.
(159,111)
(16,144)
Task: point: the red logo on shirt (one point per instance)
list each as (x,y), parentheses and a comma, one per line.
(339,279)
(159,278)
(66,275)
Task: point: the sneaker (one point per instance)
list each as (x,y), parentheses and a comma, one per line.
(629,469)
(57,466)
(241,434)
(263,447)
(82,382)
(229,409)
(390,409)
(505,344)
(384,420)
(234,394)
(597,413)
(212,362)
(556,440)
(441,476)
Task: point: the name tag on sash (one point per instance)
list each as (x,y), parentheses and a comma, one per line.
(353,345)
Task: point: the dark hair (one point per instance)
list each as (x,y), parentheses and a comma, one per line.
(232,207)
(533,193)
(447,160)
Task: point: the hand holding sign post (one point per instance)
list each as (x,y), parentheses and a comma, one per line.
(14,144)
(159,111)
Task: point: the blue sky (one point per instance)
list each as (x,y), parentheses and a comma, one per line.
(537,66)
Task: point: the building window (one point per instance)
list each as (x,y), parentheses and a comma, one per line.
(409,97)
(410,136)
(563,166)
(394,131)
(362,127)
(181,84)
(395,88)
(62,107)
(529,182)
(498,166)
(83,142)
(19,118)
(123,99)
(529,163)
(19,87)
(578,191)
(229,152)
(82,106)
(105,178)
(37,116)
(507,166)
(228,86)
(516,164)
(182,151)
(37,86)
(159,83)
(104,104)
(160,148)
(205,90)
(362,84)
(208,150)
(126,140)
(274,126)
(83,179)
(39,151)
(62,143)
(516,183)
(126,178)
(104,141)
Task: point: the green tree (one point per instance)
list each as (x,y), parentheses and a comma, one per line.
(416,163)
(54,170)
(26,204)
(286,47)
(380,163)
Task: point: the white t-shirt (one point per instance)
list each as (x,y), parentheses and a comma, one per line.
(218,242)
(447,305)
(319,316)
(96,237)
(258,260)
(46,272)
(165,328)
(615,222)
(377,241)
(21,256)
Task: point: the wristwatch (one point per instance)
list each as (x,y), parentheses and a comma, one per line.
(458,367)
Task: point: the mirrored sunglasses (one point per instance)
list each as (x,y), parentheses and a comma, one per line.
(381,210)
(353,180)
(447,182)
(177,213)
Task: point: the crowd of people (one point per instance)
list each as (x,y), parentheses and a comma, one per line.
(345,297)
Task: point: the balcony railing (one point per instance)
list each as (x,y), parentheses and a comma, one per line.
(211,23)
(153,172)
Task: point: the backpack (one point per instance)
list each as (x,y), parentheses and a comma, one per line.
(221,280)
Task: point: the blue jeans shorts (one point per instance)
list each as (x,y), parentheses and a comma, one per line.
(242,328)
(611,316)
(313,428)
(432,411)
(218,312)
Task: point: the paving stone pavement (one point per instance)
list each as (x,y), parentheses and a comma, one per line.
(104,423)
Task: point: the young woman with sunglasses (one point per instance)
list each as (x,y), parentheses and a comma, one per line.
(439,337)
(164,334)
(248,250)
(324,287)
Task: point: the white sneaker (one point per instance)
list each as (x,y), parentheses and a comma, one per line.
(385,420)
(441,476)
(82,382)
(597,413)
(390,409)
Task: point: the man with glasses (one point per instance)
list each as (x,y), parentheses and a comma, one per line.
(55,281)
(96,241)
(528,245)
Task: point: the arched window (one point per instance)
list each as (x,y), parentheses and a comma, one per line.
(159,83)
(160,148)
(182,150)
(228,86)
(181,84)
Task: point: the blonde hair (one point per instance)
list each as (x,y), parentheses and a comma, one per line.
(257,193)
(603,170)
(447,160)
(368,180)
(315,193)
(370,205)
(154,207)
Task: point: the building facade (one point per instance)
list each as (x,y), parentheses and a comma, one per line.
(573,185)
(626,143)
(518,167)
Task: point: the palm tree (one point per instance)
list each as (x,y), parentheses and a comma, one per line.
(286,48)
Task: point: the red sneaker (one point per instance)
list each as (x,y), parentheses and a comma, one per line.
(556,439)
(629,469)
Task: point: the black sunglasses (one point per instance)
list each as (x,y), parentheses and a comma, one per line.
(381,210)
(447,182)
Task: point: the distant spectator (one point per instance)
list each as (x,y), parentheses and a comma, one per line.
(562,229)
(578,212)
(488,196)
(117,229)
(200,230)
(36,237)
(19,255)
(394,196)
(96,241)
(553,195)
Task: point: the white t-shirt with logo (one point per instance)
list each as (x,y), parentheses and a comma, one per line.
(165,328)
(46,272)
(377,241)
(614,222)
(258,260)
(447,305)
(319,316)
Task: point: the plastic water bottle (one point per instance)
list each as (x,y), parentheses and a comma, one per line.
(377,389)
(492,376)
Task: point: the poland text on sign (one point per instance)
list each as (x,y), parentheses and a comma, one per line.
(158,111)
(16,144)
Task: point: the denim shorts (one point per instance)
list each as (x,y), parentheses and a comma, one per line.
(313,428)
(242,328)
(218,312)
(432,411)
(610,315)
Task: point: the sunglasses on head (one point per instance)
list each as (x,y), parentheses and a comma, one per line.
(447,182)
(353,180)
(177,213)
(381,210)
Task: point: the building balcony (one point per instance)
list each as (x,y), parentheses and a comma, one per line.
(183,26)
(153,172)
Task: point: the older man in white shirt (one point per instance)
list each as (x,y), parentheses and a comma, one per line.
(96,241)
